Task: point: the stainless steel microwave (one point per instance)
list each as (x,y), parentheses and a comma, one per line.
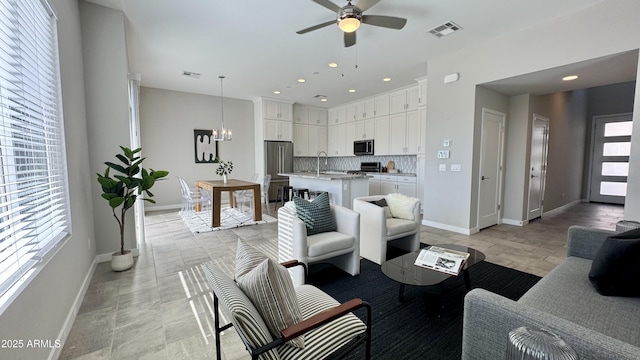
(363,147)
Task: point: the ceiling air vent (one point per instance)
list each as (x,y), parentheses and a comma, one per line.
(192,74)
(445,29)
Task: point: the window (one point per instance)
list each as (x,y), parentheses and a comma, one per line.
(34,205)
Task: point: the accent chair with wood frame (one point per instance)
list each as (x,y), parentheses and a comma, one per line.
(329,328)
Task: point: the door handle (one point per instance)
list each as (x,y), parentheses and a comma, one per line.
(484,178)
(532,176)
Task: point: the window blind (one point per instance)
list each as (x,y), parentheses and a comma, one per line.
(34,211)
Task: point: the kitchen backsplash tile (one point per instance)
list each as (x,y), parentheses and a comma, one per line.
(406,163)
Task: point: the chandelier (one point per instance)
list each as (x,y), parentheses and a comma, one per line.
(223,134)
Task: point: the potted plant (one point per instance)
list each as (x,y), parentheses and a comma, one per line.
(122,190)
(225,168)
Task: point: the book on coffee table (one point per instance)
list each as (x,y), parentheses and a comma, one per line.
(440,259)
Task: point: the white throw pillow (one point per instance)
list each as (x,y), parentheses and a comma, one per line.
(401,206)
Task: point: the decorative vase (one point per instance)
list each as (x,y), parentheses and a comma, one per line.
(224,178)
(120,262)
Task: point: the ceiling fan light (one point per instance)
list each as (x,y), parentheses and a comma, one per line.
(349,24)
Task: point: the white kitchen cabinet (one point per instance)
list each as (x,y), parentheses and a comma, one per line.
(365,109)
(276,110)
(405,185)
(381,105)
(404,133)
(300,115)
(374,184)
(350,111)
(317,116)
(422,94)
(381,131)
(337,140)
(278,130)
(301,140)
(365,129)
(404,100)
(349,137)
(317,140)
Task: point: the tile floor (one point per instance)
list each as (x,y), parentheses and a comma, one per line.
(161,309)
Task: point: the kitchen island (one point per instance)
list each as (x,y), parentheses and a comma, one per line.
(342,188)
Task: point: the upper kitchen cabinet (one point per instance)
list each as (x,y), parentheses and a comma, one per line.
(277,110)
(381,105)
(309,115)
(365,109)
(422,91)
(404,133)
(404,100)
(337,115)
(278,130)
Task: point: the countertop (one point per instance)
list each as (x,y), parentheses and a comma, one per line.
(325,175)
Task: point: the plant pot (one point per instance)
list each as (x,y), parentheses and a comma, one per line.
(224,178)
(121,262)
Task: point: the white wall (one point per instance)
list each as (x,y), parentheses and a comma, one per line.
(167,121)
(105,70)
(451,108)
(47,304)
(518,151)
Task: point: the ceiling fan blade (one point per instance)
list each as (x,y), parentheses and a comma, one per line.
(349,39)
(316,27)
(366,4)
(328,4)
(391,22)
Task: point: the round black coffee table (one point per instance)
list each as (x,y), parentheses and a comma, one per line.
(403,270)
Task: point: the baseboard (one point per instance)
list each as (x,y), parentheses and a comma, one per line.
(107,257)
(515,222)
(561,208)
(71,317)
(456,229)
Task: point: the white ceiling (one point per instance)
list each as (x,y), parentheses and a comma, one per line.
(255,45)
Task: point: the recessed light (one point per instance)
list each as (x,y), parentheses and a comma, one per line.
(352,90)
(277,92)
(301,80)
(570,77)
(323,99)
(386,79)
(332,65)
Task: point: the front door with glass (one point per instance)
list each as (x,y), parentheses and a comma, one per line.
(610,161)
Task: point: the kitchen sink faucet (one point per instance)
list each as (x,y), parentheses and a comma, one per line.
(325,161)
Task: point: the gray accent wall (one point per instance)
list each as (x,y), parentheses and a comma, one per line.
(46,308)
(167,121)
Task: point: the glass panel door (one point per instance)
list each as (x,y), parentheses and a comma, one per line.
(610,163)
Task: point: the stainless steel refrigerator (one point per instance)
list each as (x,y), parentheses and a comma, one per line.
(278,158)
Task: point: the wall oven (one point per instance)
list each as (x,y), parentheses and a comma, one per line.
(363,147)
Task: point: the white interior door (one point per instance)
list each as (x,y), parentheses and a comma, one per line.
(490,183)
(610,160)
(537,165)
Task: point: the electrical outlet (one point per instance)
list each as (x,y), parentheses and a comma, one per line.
(456,167)
(446,143)
(442,167)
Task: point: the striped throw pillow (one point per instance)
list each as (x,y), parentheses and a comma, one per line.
(270,288)
(247,258)
(316,214)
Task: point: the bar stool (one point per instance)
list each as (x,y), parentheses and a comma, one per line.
(299,192)
(315,193)
(283,194)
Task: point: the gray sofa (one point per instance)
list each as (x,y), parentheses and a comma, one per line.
(563,302)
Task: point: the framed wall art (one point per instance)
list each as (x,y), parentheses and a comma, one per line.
(205,148)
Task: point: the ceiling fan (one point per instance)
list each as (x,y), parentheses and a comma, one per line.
(350,16)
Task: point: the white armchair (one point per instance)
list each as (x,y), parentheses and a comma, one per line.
(377,231)
(340,248)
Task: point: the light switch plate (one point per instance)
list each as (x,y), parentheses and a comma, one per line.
(442,167)
(456,167)
(443,154)
(446,143)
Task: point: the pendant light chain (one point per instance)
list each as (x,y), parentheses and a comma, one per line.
(224,134)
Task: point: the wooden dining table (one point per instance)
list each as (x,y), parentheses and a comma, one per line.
(216,187)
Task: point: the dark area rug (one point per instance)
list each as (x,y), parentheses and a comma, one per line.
(405,330)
